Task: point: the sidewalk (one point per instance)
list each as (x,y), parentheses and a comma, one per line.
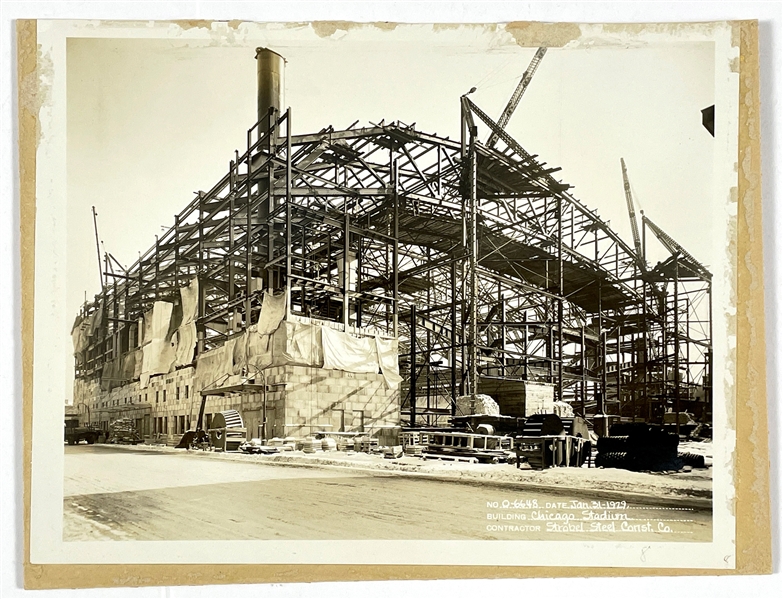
(692,489)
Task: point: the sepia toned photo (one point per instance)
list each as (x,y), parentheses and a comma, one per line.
(399,291)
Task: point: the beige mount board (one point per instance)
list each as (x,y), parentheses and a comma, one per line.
(751,463)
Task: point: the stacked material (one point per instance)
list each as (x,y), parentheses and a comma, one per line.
(389,436)
(640,447)
(310,445)
(414,450)
(365,444)
(393,452)
(328,444)
(282,444)
(122,430)
(344,444)
(255,446)
(410,438)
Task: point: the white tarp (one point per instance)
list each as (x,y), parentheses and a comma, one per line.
(240,353)
(303,345)
(252,351)
(85,328)
(258,350)
(96,318)
(185,340)
(158,352)
(348,353)
(79,335)
(186,336)
(389,361)
(139,363)
(189,296)
(147,327)
(215,366)
(273,309)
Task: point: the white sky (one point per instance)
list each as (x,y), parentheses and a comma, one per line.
(152,121)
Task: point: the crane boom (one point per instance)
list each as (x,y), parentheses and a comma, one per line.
(673,246)
(637,243)
(517,95)
(97,245)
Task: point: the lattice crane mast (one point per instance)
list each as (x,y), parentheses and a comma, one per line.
(517,95)
(637,242)
(674,247)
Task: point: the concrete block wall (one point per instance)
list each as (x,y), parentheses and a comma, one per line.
(300,401)
(331,400)
(170,395)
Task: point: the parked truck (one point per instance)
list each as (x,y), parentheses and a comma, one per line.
(75,434)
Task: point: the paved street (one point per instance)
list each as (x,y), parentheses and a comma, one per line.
(134,494)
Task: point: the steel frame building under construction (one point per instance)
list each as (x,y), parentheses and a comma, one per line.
(478,267)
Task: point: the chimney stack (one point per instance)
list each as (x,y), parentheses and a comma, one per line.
(271,83)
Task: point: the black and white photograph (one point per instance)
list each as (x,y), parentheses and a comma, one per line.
(385,293)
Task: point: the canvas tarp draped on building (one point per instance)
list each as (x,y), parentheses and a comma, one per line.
(84,328)
(351,354)
(169,335)
(158,351)
(169,341)
(121,371)
(273,311)
(389,361)
(253,350)
(216,366)
(275,341)
(186,335)
(361,354)
(301,344)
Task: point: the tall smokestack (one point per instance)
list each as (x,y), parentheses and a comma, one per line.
(271,83)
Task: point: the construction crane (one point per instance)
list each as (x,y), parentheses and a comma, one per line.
(517,95)
(98,246)
(674,247)
(637,242)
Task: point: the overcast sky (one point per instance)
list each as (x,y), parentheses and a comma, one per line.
(152,121)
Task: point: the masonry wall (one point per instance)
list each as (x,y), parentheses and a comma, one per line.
(300,400)
(333,401)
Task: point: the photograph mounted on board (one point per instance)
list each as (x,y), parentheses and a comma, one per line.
(386,286)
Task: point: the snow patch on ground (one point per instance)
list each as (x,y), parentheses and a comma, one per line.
(696,484)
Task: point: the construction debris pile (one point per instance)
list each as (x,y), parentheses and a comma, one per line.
(123,431)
